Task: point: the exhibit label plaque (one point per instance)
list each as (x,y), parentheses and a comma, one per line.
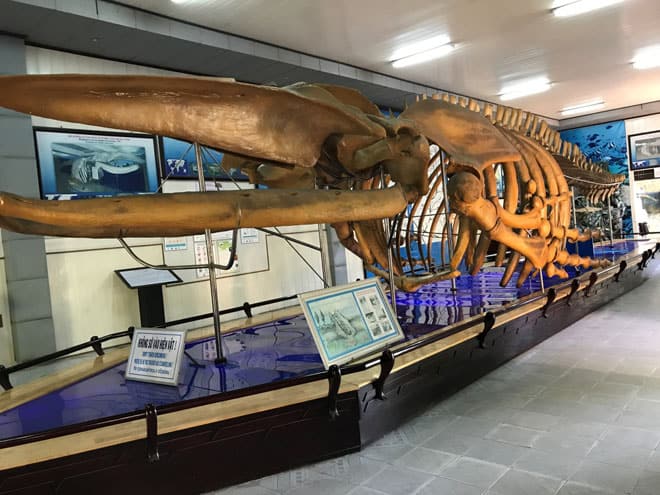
(156,356)
(350,321)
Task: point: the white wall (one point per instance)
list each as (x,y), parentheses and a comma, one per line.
(287,276)
(89,299)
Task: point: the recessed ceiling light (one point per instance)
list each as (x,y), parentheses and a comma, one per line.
(422,51)
(567,9)
(583,108)
(647,58)
(179,1)
(525,88)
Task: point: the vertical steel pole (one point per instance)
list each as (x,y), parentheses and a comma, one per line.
(450,230)
(328,278)
(390,259)
(609,212)
(220,358)
(577,243)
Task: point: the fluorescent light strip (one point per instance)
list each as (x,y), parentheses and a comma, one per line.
(582,108)
(582,7)
(425,56)
(420,46)
(647,58)
(525,88)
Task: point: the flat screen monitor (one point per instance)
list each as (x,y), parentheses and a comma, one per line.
(76,164)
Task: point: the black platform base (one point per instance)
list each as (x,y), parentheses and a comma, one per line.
(229,452)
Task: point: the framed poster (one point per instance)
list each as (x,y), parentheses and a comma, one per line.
(350,321)
(644,150)
(180,162)
(77,164)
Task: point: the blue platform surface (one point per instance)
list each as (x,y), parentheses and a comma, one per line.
(262,354)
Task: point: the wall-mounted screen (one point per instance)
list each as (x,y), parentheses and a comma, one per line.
(644,150)
(77,164)
(179,162)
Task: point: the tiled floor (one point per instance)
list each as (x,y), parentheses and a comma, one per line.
(577,415)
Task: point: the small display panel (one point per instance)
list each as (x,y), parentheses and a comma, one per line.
(135,278)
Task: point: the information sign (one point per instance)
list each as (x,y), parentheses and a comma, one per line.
(156,356)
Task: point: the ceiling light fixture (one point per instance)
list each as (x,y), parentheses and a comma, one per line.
(583,108)
(525,88)
(647,58)
(568,9)
(422,51)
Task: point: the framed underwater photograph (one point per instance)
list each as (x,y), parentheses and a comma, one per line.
(644,150)
(179,162)
(75,164)
(350,321)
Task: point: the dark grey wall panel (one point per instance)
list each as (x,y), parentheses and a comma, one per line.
(25,256)
(29,299)
(337,255)
(17,250)
(12,54)
(16,139)
(32,338)
(20,173)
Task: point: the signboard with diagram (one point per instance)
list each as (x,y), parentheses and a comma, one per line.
(350,321)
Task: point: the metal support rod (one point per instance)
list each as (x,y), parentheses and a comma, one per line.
(577,243)
(326,268)
(220,358)
(290,239)
(542,281)
(390,259)
(609,213)
(303,259)
(450,230)
(146,264)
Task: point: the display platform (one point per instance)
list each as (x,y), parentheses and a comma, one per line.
(273,406)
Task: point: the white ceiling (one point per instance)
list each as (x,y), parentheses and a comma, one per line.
(586,57)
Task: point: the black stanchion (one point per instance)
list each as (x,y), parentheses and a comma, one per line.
(4,378)
(334,381)
(622,266)
(152,433)
(96,345)
(552,294)
(575,285)
(593,278)
(489,322)
(386,365)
